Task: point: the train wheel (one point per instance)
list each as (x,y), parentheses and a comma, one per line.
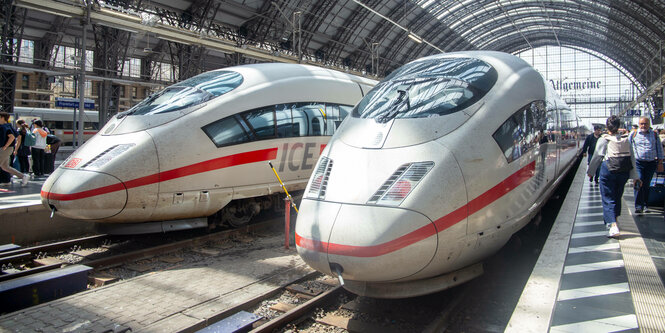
(239,213)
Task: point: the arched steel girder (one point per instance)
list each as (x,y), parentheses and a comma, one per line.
(351,31)
(354,32)
(620,57)
(343,34)
(635,51)
(629,32)
(540,43)
(634,64)
(564,13)
(315,19)
(572,41)
(588,7)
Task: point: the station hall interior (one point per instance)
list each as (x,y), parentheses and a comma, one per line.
(602,57)
(83,65)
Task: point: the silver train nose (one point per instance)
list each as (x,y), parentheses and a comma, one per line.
(112,178)
(84,194)
(367,243)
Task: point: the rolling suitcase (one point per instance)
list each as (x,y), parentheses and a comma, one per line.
(657,190)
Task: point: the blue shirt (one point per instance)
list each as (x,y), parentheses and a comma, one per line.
(646,145)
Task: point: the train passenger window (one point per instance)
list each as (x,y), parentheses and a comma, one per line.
(332,116)
(313,115)
(522,131)
(286,128)
(90,126)
(316,127)
(262,123)
(300,119)
(227,131)
(433,87)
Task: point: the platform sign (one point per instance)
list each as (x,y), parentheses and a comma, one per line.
(69,102)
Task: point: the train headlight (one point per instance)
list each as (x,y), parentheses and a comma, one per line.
(317,189)
(107,156)
(400,183)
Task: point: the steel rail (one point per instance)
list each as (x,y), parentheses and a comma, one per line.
(166,248)
(297,312)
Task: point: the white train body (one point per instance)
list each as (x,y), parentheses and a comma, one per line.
(189,150)
(434,170)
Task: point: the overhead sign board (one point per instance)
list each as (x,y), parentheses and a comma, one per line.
(70,102)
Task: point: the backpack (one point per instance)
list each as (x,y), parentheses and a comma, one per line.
(52,139)
(30,139)
(618,156)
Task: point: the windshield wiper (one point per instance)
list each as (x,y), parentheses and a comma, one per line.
(403,97)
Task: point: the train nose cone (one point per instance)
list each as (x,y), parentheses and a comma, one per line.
(369,243)
(77,194)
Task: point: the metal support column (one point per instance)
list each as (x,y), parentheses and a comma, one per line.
(81,118)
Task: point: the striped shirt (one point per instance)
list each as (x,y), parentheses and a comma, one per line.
(646,145)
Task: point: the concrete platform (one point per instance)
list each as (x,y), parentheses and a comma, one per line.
(586,282)
(169,300)
(24,220)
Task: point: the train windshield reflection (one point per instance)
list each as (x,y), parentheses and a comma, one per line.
(435,87)
(193,91)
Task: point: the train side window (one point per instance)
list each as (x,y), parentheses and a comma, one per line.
(227,131)
(344,111)
(520,133)
(316,126)
(262,123)
(286,128)
(301,120)
(504,137)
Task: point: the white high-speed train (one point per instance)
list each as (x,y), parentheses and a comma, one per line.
(203,144)
(434,170)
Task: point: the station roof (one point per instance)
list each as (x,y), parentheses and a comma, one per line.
(374,36)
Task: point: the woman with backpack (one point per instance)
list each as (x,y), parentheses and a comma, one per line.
(615,157)
(23,151)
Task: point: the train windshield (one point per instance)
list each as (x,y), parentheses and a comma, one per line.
(429,88)
(196,90)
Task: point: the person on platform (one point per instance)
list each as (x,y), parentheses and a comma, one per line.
(614,156)
(648,159)
(590,147)
(38,155)
(22,151)
(7,142)
(54,143)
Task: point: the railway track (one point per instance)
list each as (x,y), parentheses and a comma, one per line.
(102,251)
(318,303)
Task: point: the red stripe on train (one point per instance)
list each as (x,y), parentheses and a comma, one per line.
(424,232)
(210,165)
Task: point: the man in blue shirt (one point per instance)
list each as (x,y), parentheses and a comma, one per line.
(648,159)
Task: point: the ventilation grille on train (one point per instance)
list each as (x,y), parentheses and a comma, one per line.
(317,189)
(400,183)
(107,155)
